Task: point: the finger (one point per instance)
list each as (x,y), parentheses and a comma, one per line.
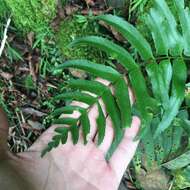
(105,82)
(108,138)
(126,150)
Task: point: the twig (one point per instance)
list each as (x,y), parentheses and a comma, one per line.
(3,42)
(171,185)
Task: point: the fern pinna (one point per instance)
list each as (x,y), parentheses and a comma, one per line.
(165,69)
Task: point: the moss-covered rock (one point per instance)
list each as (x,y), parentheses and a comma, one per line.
(155,179)
(73,28)
(31,15)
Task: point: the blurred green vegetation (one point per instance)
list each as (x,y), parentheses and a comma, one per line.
(3,8)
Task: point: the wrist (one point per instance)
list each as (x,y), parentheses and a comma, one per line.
(10,177)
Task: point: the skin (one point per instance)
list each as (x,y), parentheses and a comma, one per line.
(68,167)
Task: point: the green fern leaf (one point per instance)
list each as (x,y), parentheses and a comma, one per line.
(157,105)
(136,78)
(173,39)
(130,33)
(110,104)
(63,135)
(75,133)
(106,95)
(184,17)
(177,96)
(108,73)
(101,125)
(67,110)
(98,70)
(85,125)
(78,96)
(158,80)
(123,102)
(154,20)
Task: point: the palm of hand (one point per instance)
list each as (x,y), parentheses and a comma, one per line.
(75,167)
(78,167)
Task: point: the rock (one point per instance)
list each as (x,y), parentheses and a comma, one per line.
(153,180)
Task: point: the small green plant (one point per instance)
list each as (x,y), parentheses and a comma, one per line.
(137,5)
(13,54)
(157,80)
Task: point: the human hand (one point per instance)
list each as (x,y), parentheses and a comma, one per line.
(77,167)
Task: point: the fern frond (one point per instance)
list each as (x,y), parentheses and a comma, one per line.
(165,69)
(135,75)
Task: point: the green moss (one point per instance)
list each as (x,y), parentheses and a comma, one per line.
(31,15)
(73,28)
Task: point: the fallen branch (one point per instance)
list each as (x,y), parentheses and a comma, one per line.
(3,42)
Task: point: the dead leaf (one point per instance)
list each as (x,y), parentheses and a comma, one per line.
(32,68)
(60,15)
(30,37)
(60,9)
(116,34)
(70,10)
(35,125)
(95,11)
(6,75)
(33,112)
(89,2)
(78,73)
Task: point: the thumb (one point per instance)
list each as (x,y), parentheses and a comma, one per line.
(3,133)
